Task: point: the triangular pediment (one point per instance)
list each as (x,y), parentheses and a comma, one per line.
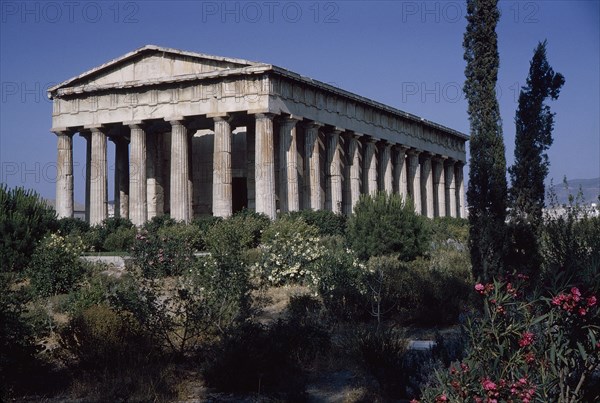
(151,64)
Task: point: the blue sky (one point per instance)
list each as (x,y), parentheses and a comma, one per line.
(407,54)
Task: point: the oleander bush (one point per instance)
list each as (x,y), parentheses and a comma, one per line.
(55,266)
(112,232)
(327,222)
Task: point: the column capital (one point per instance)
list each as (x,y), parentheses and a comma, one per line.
(400,147)
(219,117)
(450,162)
(413,152)
(176,120)
(136,123)
(96,128)
(63,131)
(311,124)
(263,115)
(290,117)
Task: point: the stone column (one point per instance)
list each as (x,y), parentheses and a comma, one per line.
(180,172)
(414,179)
(250,167)
(289,197)
(121,178)
(427,186)
(370,167)
(400,172)
(385,163)
(265,166)
(354,161)
(138,207)
(439,187)
(460,191)
(450,190)
(222,197)
(64,174)
(98,178)
(334,174)
(312,174)
(88,172)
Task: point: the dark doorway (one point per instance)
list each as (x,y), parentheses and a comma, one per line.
(239,194)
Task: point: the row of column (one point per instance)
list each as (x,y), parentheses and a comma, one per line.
(352,167)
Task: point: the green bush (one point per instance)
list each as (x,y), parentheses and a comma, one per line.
(111,235)
(291,251)
(71,225)
(93,290)
(235,234)
(328,223)
(24,220)
(384,224)
(101,338)
(55,266)
(168,251)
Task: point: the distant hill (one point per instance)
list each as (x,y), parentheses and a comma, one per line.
(590,189)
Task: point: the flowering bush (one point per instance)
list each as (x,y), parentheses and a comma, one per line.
(55,266)
(537,350)
(290,250)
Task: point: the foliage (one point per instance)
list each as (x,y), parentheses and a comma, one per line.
(24,220)
(112,234)
(255,358)
(534,123)
(234,234)
(385,224)
(55,266)
(167,251)
(328,222)
(531,350)
(290,253)
(342,281)
(487,189)
(17,336)
(570,246)
(100,338)
(72,225)
(383,355)
(92,290)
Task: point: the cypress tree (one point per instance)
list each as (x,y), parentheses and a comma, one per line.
(487,190)
(534,125)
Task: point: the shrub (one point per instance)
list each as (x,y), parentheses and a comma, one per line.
(99,337)
(119,241)
(93,290)
(327,222)
(114,229)
(383,355)
(538,349)
(166,252)
(385,224)
(235,234)
(55,266)
(71,225)
(290,253)
(24,220)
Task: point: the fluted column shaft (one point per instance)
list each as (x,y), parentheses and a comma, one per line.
(180,172)
(427,186)
(371,168)
(400,173)
(289,198)
(355,171)
(460,191)
(98,178)
(250,167)
(88,174)
(414,179)
(121,178)
(386,168)
(64,177)
(138,207)
(439,185)
(222,181)
(265,166)
(334,182)
(312,173)
(450,190)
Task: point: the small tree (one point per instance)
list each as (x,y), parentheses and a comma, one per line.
(534,124)
(385,224)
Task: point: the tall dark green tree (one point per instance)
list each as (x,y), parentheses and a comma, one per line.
(534,125)
(487,191)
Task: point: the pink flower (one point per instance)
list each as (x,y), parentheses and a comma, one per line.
(479,288)
(582,311)
(576,294)
(488,384)
(591,301)
(526,339)
(442,398)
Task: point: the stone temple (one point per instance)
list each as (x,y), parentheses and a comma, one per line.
(196,134)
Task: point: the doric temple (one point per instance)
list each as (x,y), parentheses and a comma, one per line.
(196,134)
